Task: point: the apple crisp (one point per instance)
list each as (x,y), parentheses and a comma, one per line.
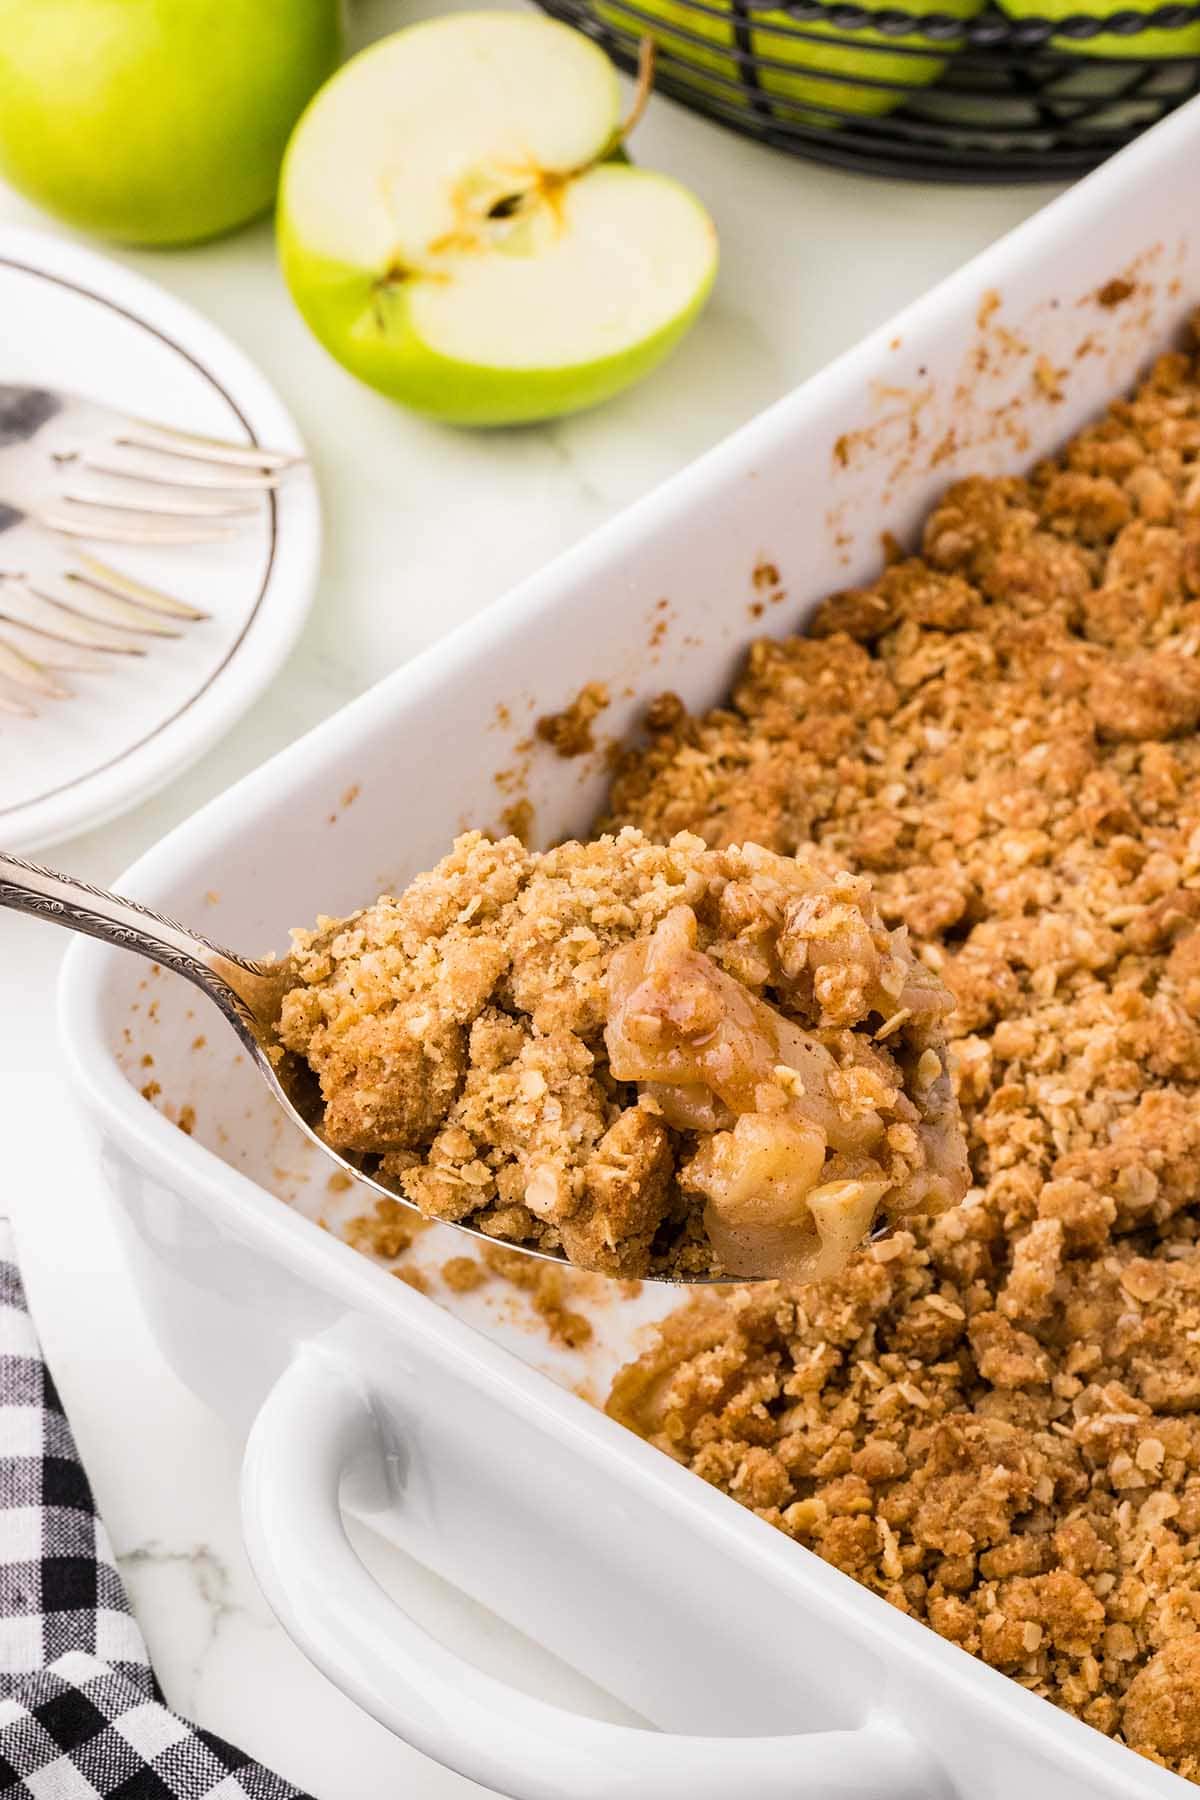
(651,1058)
(993,1418)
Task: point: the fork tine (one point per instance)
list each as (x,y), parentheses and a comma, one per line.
(170,442)
(122,615)
(199,507)
(200,479)
(96,574)
(56,650)
(29,674)
(51,620)
(102,531)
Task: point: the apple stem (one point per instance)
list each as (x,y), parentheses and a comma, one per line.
(647,54)
(641,93)
(547,187)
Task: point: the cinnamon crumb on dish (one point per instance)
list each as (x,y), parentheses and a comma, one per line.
(517,820)
(650,1058)
(549,1290)
(993,1418)
(386,1232)
(569,733)
(462,1274)
(1116,291)
(413,1278)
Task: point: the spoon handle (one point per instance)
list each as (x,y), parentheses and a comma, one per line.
(247,993)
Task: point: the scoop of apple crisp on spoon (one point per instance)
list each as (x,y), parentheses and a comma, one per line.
(650,1060)
(655,1060)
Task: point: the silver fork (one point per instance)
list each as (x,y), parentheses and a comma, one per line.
(71,469)
(86,470)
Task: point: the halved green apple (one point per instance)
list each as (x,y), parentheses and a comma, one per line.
(456,231)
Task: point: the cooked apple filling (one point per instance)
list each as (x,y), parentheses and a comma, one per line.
(652,1058)
(799,1142)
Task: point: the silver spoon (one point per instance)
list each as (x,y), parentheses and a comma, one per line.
(248,994)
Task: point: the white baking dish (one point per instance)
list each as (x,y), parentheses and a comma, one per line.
(658,1588)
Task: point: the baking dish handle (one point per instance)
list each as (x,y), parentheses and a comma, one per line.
(315,1425)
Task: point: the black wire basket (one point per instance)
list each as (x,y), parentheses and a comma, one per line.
(971,94)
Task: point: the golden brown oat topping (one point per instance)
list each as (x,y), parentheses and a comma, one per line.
(651,1058)
(993,1419)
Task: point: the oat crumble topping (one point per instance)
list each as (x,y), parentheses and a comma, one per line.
(993,1419)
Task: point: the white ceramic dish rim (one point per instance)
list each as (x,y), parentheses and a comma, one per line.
(1066,1744)
(287,593)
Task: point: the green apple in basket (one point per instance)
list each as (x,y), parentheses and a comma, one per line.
(797,70)
(157,121)
(458,228)
(1147,46)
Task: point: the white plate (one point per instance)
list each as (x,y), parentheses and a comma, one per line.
(72,319)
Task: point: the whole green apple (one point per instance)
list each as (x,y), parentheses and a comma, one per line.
(793,69)
(157,121)
(456,229)
(1183,40)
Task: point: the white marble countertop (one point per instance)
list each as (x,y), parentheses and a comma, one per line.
(424,526)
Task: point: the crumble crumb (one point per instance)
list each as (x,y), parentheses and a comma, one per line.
(386,1232)
(548,1288)
(517,820)
(462,1274)
(569,733)
(413,1278)
(1114,292)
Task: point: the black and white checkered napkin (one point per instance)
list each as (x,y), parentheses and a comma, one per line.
(81,1714)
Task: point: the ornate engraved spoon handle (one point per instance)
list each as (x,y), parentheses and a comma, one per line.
(247,993)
